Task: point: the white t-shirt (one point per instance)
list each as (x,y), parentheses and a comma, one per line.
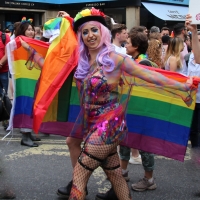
(12,37)
(194,70)
(121,50)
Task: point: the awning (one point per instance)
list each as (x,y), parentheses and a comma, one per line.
(167,12)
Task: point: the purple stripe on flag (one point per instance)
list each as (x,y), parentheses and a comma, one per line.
(132,140)
(155,145)
(56,128)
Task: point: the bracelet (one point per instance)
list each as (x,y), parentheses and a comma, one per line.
(187,87)
(28,49)
(31,57)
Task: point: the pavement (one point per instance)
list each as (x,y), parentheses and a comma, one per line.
(37,173)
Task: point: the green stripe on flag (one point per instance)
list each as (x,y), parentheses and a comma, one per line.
(160,110)
(64,99)
(74,99)
(25,87)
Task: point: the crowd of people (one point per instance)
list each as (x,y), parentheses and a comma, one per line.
(106,50)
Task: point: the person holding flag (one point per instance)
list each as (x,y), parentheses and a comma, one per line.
(102,118)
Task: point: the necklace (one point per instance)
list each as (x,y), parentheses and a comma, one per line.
(92,62)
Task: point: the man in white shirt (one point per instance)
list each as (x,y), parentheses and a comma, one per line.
(119,36)
(194,70)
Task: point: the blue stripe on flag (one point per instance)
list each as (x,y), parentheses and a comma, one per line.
(158,129)
(23,105)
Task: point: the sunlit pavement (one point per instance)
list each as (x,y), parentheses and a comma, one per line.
(37,173)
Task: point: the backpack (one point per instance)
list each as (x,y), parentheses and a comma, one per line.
(3,38)
(151,64)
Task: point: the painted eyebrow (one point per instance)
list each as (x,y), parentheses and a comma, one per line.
(90,28)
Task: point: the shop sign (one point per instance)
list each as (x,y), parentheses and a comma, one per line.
(167,12)
(95,4)
(183,2)
(174,14)
(17,3)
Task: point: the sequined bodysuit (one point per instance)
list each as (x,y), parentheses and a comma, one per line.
(102,111)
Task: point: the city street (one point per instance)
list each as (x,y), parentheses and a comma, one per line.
(37,173)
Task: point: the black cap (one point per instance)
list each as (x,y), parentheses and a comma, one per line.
(82,20)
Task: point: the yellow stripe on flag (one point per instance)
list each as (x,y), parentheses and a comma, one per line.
(21,71)
(51,114)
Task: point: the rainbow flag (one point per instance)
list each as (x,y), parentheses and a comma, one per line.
(159,119)
(61,59)
(158,122)
(24,80)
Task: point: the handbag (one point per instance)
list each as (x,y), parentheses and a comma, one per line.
(5,104)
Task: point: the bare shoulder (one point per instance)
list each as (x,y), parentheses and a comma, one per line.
(172,58)
(173,63)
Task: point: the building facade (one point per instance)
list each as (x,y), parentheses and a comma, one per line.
(122,11)
(130,12)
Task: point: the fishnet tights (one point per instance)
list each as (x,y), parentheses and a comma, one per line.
(115,177)
(81,175)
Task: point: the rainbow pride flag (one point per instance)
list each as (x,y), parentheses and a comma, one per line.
(57,56)
(61,59)
(157,123)
(24,81)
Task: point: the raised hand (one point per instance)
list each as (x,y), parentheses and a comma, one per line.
(191,27)
(189,83)
(24,44)
(62,14)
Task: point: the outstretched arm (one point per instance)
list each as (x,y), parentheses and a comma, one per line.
(195,40)
(35,56)
(134,69)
